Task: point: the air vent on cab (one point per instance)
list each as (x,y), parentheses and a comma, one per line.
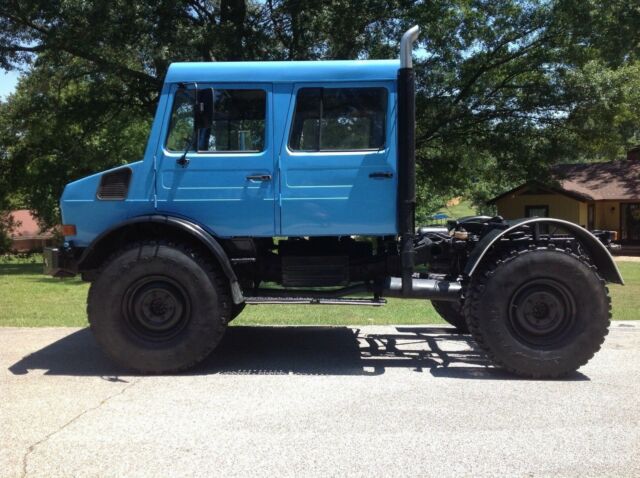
(115,185)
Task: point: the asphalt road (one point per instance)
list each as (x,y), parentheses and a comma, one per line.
(309,401)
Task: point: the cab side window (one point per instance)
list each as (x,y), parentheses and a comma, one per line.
(238,122)
(181,134)
(339,119)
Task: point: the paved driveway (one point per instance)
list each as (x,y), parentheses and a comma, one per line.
(294,401)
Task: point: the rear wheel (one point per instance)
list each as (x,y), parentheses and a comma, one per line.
(538,312)
(452,313)
(158,308)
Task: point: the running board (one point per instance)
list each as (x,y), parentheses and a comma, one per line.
(314,301)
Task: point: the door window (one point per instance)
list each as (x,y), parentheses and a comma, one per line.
(339,119)
(237,125)
(180,135)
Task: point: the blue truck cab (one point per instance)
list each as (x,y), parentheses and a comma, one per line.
(294,182)
(291,149)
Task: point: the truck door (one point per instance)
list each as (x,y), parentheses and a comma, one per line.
(225,180)
(338,163)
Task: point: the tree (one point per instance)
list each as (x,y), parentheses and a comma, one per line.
(506,88)
(86,105)
(6,186)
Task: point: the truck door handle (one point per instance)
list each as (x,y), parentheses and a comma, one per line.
(259,177)
(381,175)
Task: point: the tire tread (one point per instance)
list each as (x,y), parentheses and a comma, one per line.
(211,269)
(593,342)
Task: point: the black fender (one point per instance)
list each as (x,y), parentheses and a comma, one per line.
(597,251)
(194,230)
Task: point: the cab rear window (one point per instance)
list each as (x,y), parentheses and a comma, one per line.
(339,119)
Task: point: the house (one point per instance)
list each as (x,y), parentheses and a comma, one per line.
(595,195)
(27,235)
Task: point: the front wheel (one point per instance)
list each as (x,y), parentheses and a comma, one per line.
(158,308)
(539,313)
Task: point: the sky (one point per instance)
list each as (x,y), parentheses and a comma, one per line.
(8,81)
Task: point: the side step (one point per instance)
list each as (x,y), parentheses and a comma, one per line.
(314,301)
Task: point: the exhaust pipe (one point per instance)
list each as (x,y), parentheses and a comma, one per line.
(406,46)
(430,289)
(407,158)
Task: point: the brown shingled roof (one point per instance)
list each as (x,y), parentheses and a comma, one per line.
(615,180)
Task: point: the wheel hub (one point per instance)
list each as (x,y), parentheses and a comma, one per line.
(541,312)
(156,307)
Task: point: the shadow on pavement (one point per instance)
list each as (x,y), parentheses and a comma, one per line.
(294,350)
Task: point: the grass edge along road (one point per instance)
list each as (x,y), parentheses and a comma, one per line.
(30,299)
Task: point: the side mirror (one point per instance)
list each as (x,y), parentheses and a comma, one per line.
(204,108)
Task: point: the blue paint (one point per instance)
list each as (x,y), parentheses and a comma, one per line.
(310,193)
(284,71)
(331,193)
(213,189)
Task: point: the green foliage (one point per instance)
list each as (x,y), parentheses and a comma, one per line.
(463,209)
(509,88)
(606,124)
(506,88)
(60,127)
(6,222)
(5,229)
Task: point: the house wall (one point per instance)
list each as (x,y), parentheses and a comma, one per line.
(583,217)
(561,207)
(608,215)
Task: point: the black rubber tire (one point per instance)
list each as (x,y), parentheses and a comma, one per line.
(540,312)
(452,313)
(168,336)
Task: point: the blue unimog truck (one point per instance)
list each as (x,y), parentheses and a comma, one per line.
(294,182)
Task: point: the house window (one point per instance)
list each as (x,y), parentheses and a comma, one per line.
(591,217)
(238,122)
(536,211)
(630,221)
(339,119)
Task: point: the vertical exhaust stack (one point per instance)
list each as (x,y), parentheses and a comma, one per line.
(407,157)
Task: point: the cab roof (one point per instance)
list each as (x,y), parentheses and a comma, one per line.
(283,71)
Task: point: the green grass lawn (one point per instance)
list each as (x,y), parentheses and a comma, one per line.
(28,298)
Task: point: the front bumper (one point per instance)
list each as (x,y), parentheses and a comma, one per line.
(59,262)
